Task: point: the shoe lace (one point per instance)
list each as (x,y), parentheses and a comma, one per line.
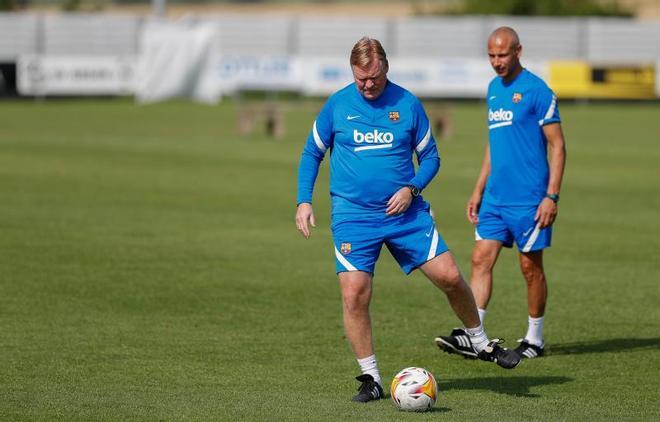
(493,345)
(493,351)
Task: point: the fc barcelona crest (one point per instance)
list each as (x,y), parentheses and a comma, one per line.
(345,248)
(517,97)
(394,116)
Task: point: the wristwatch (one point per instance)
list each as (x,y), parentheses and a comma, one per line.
(553,196)
(414,190)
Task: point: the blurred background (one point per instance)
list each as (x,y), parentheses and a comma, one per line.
(584,49)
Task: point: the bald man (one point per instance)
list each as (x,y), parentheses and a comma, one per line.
(517,192)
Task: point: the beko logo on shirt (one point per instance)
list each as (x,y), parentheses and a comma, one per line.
(501,118)
(376,138)
(500,115)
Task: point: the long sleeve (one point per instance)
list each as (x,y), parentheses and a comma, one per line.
(426,150)
(318,142)
(308,169)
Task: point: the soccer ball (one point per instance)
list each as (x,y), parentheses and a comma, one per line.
(414,390)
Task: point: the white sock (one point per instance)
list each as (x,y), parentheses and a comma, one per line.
(369,366)
(482,315)
(478,337)
(535,331)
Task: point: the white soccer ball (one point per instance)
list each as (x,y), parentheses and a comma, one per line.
(414,389)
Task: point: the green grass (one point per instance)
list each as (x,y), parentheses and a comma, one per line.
(150,270)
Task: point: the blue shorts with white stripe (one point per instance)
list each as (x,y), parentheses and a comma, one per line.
(411,237)
(512,223)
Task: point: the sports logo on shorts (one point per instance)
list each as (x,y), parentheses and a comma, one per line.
(517,97)
(394,116)
(345,248)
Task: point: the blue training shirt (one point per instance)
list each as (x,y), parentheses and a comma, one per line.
(517,112)
(371,143)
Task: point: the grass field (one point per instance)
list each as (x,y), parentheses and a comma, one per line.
(150,270)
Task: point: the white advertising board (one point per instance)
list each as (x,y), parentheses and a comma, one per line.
(424,77)
(161,73)
(243,72)
(75,75)
(440,78)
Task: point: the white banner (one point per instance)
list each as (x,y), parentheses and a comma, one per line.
(423,77)
(324,76)
(453,78)
(176,60)
(271,73)
(442,78)
(181,61)
(75,75)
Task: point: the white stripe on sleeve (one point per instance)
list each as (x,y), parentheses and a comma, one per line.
(425,140)
(551,110)
(317,139)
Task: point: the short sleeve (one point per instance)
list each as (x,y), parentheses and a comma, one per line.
(546,109)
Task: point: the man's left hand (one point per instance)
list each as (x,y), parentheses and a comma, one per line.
(399,202)
(546,213)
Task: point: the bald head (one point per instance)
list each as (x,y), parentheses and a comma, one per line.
(504,53)
(504,36)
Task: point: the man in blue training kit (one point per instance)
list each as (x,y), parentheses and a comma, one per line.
(373,127)
(516,194)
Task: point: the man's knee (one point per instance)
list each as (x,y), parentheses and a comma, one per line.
(443,271)
(453,282)
(355,305)
(532,270)
(447,277)
(483,259)
(356,298)
(452,278)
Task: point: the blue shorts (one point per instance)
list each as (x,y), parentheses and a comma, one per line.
(509,223)
(411,237)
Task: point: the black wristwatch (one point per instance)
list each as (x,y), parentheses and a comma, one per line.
(414,190)
(553,196)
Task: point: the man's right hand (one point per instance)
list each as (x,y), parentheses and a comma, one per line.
(305,217)
(472,208)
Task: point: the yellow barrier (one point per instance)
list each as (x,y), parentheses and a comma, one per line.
(578,79)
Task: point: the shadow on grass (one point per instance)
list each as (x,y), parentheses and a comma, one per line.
(388,397)
(514,386)
(603,346)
